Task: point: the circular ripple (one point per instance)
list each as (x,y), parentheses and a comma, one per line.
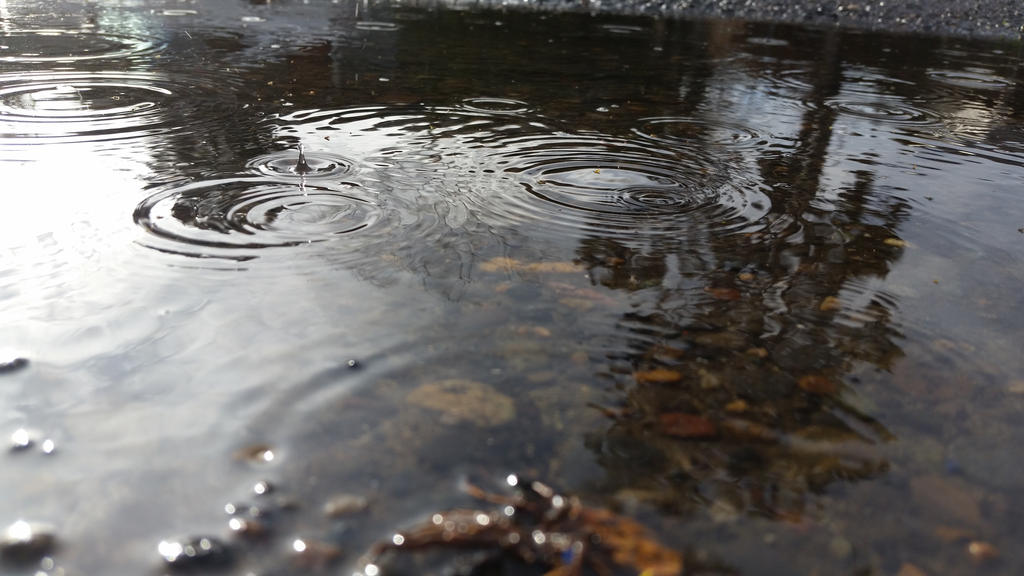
(229,218)
(883,110)
(622,29)
(313,165)
(66,46)
(81,106)
(689,132)
(971,78)
(496,105)
(766,41)
(620,187)
(376,26)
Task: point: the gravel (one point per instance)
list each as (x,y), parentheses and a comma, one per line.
(971,18)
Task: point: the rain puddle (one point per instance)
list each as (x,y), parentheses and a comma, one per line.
(332,287)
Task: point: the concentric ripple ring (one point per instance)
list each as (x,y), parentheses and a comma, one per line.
(70,46)
(94,106)
(230,218)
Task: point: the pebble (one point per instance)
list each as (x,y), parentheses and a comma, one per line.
(12,364)
(460,400)
(312,555)
(345,505)
(840,547)
(247,527)
(256,453)
(947,498)
(981,551)
(195,553)
(817,384)
(25,541)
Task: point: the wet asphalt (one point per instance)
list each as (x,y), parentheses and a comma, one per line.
(970,18)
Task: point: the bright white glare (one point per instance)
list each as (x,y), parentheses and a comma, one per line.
(299,545)
(20,438)
(170,550)
(20,531)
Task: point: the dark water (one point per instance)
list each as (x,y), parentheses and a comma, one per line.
(757,288)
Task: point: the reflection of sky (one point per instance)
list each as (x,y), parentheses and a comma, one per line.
(125,346)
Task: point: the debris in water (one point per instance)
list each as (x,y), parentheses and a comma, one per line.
(539,526)
(683,425)
(982,551)
(256,453)
(345,505)
(12,364)
(311,555)
(25,541)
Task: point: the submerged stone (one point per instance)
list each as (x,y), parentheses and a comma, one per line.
(465,401)
(25,541)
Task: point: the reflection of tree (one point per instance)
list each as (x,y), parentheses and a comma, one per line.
(736,378)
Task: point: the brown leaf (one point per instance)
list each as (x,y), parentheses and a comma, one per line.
(980,550)
(737,406)
(830,303)
(817,384)
(657,376)
(631,545)
(683,425)
(908,569)
(723,293)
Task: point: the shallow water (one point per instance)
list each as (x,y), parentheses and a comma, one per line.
(756,287)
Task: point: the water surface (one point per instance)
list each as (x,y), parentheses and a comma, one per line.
(756,287)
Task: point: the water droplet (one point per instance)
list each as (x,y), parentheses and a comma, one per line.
(195,553)
(398,539)
(48,446)
(263,487)
(301,167)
